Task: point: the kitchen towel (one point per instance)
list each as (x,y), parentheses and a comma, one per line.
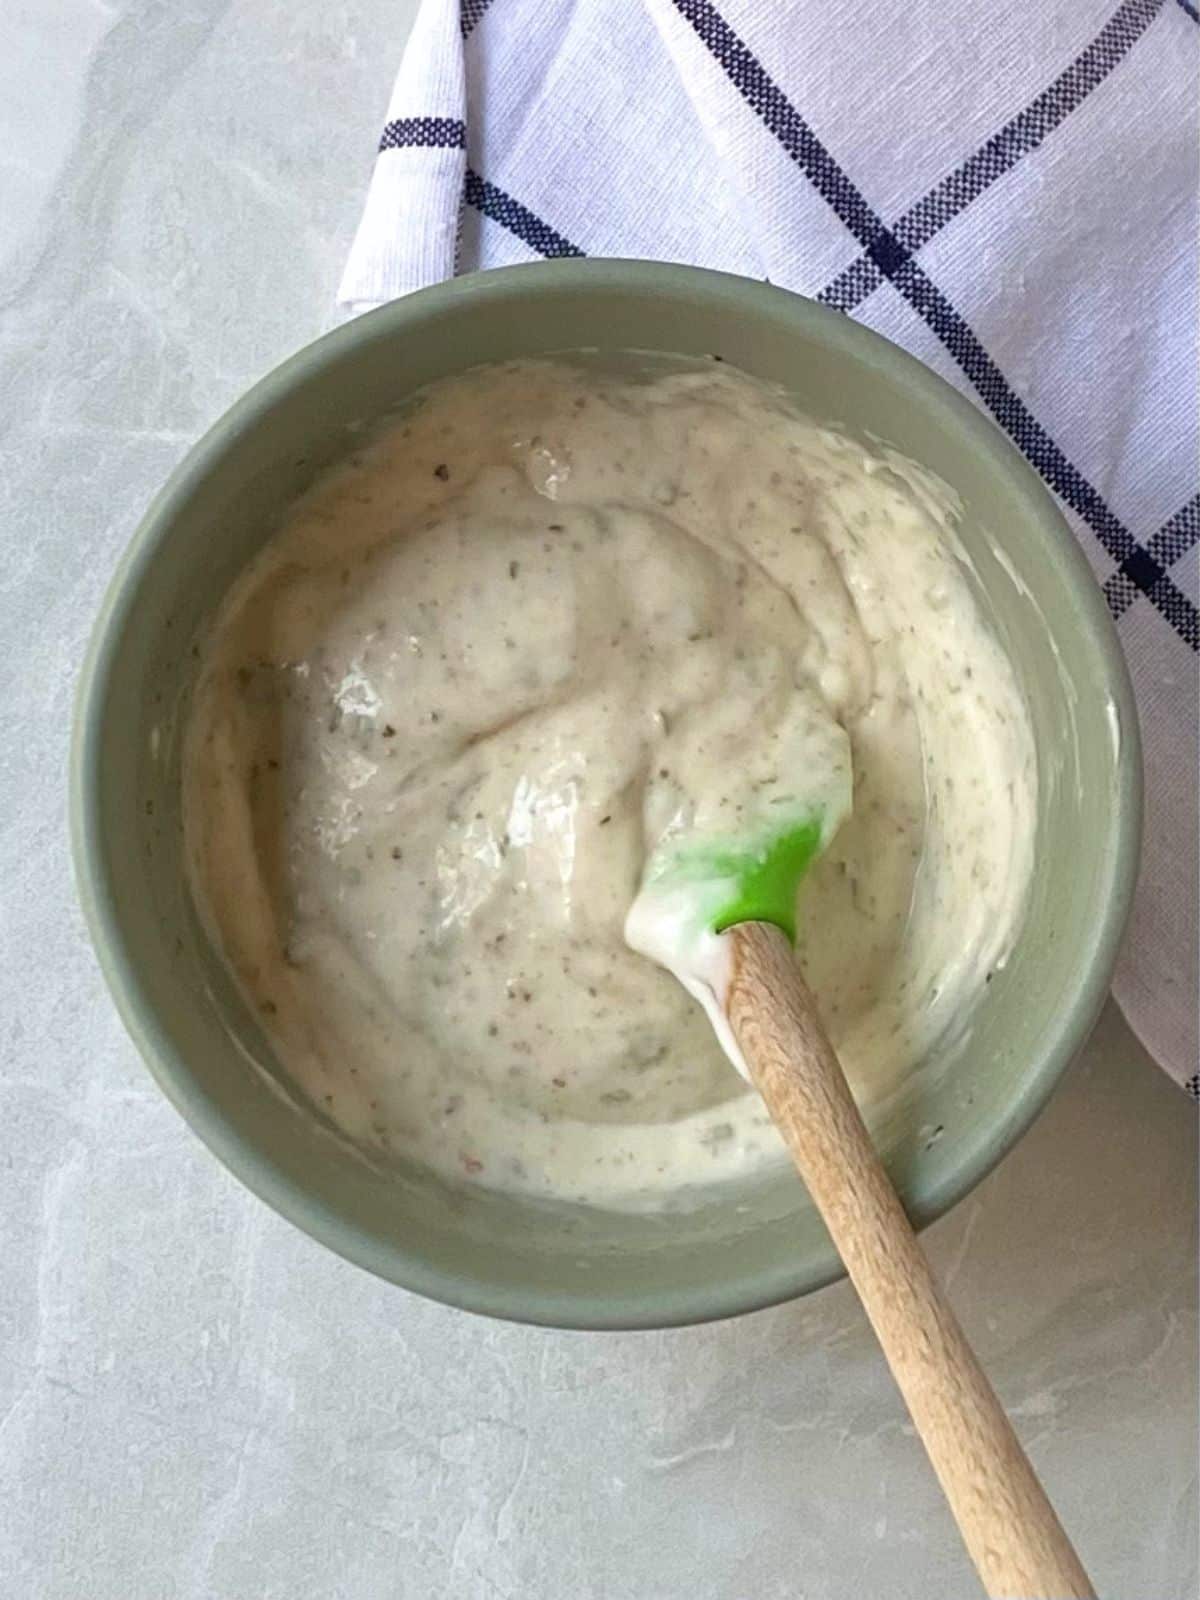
(1009,191)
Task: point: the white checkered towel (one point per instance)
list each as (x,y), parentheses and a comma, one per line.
(1009,191)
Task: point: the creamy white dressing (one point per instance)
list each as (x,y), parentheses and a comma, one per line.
(542,622)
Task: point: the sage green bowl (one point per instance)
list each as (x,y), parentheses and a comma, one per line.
(570,1266)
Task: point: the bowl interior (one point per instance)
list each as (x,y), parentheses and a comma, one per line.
(522,1259)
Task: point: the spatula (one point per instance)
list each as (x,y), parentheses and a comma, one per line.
(720,912)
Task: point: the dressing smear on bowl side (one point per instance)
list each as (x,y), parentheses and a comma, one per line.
(488,664)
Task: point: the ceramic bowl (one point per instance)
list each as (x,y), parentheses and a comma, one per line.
(569,1266)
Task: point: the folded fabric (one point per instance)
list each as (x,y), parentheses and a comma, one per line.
(1007,191)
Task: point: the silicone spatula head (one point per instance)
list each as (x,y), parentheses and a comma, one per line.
(730,840)
(751,880)
(731,832)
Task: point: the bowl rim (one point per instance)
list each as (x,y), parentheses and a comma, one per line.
(99,897)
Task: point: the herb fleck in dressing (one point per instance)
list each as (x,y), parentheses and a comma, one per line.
(483,665)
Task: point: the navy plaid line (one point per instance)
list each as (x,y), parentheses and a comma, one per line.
(470,16)
(430,133)
(518,219)
(1186,5)
(898,265)
(1009,410)
(771,105)
(1177,536)
(1144,572)
(1002,152)
(853,285)
(1144,576)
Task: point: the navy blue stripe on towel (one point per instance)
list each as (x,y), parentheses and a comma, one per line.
(1002,152)
(471,15)
(518,219)
(897,264)
(1177,536)
(427,133)
(1144,571)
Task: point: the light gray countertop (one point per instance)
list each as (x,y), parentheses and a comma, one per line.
(195,1400)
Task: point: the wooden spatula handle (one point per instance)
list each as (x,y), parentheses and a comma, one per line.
(1009,1526)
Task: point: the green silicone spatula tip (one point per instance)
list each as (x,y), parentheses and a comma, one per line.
(736,818)
(732,841)
(755,878)
(767,882)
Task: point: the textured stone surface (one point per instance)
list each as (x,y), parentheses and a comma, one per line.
(197,1403)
